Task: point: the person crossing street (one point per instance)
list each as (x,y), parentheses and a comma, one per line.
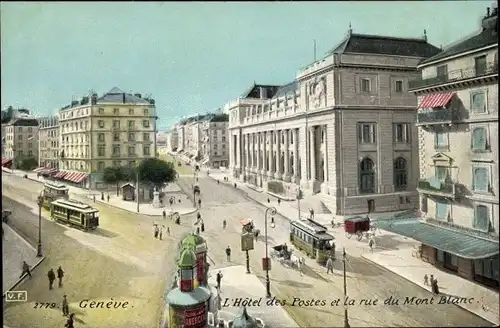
(60,275)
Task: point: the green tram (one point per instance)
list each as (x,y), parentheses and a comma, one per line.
(312,238)
(52,192)
(75,213)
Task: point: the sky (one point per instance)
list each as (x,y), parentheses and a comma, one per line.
(192,57)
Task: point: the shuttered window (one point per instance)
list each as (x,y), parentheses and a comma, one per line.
(480,177)
(478,139)
(481,218)
(441,210)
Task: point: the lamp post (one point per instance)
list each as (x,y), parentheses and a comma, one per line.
(39,246)
(271,210)
(346,318)
(299,197)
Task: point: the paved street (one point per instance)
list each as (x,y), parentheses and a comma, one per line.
(365,280)
(120,260)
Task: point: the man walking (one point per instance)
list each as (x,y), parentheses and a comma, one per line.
(52,277)
(60,275)
(26,269)
(161,232)
(371,243)
(156,230)
(228,253)
(199,202)
(165,213)
(329,265)
(70,322)
(218,278)
(65,306)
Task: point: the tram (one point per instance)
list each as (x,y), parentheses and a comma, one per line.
(75,213)
(52,192)
(312,238)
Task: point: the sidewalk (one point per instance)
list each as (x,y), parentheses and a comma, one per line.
(16,250)
(392,252)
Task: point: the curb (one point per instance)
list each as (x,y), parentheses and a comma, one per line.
(416,284)
(151,215)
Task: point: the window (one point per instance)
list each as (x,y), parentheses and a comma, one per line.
(116,136)
(131,111)
(20,153)
(401,133)
(131,151)
(19,145)
(215,153)
(116,150)
(30,153)
(131,124)
(442,70)
(478,101)
(481,218)
(223,146)
(400,174)
(480,179)
(367,176)
(101,124)
(116,111)
(131,164)
(223,139)
(117,163)
(30,129)
(440,140)
(441,173)
(116,124)
(478,141)
(131,137)
(145,136)
(20,137)
(441,210)
(398,86)
(101,150)
(145,123)
(146,112)
(366,132)
(146,151)
(100,166)
(101,110)
(100,137)
(480,65)
(365,85)
(30,145)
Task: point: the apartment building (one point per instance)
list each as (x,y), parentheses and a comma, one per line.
(117,129)
(181,140)
(20,140)
(457,124)
(215,142)
(48,142)
(172,140)
(344,128)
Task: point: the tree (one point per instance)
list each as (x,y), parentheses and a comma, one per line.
(156,171)
(115,174)
(26,163)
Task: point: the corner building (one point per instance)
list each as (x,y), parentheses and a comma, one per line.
(345,128)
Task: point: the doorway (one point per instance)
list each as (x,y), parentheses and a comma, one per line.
(371,205)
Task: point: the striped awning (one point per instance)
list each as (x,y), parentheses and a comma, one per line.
(75,176)
(6,160)
(435,100)
(61,174)
(39,169)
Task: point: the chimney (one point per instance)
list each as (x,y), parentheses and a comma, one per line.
(123,97)
(263,93)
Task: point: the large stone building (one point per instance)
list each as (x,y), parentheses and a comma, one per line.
(345,127)
(457,122)
(48,142)
(20,140)
(214,141)
(181,139)
(172,139)
(117,129)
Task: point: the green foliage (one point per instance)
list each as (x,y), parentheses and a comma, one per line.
(116,174)
(156,171)
(26,163)
(275,187)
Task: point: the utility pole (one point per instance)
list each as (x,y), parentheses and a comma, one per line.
(346,317)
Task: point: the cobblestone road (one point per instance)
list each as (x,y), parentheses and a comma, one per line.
(365,280)
(120,260)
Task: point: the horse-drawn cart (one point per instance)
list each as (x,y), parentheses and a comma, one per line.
(358,226)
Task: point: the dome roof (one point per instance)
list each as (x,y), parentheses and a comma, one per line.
(193,240)
(187,258)
(245,321)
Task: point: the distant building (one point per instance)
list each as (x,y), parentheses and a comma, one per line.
(214,142)
(457,124)
(21,139)
(172,140)
(48,142)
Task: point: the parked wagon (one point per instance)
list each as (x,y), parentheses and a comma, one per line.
(356,225)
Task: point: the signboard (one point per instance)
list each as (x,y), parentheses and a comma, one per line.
(200,267)
(247,242)
(266,264)
(196,316)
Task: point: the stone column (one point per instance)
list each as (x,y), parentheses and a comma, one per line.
(238,150)
(304,157)
(325,154)
(312,152)
(286,171)
(252,150)
(247,152)
(264,153)
(296,172)
(270,171)
(231,152)
(278,174)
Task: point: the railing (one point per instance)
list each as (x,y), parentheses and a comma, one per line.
(436,116)
(444,187)
(455,76)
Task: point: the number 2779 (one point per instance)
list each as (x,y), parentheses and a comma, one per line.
(44,305)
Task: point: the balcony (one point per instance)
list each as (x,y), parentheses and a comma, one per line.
(455,76)
(437,116)
(435,187)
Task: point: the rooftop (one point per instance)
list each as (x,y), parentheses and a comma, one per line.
(116,95)
(254,91)
(287,89)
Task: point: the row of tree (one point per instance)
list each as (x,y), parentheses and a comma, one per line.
(152,171)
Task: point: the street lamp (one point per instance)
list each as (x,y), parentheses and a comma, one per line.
(39,248)
(299,197)
(273,211)
(346,318)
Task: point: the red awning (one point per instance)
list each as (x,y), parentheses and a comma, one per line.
(79,177)
(6,160)
(70,175)
(60,174)
(39,169)
(435,100)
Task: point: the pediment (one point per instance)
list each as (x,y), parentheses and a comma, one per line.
(441,157)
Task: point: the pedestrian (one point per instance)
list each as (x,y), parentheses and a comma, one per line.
(102,196)
(26,269)
(161,232)
(52,277)
(70,322)
(218,182)
(60,275)
(65,306)
(431,279)
(168,231)
(426,280)
(218,278)
(235,185)
(228,253)
(156,230)
(94,198)
(164,214)
(371,242)
(108,198)
(435,288)
(329,265)
(224,224)
(279,201)
(202,226)
(199,202)
(197,230)
(312,213)
(198,216)
(268,200)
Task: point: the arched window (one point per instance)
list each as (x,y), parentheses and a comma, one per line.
(367,176)
(400,174)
